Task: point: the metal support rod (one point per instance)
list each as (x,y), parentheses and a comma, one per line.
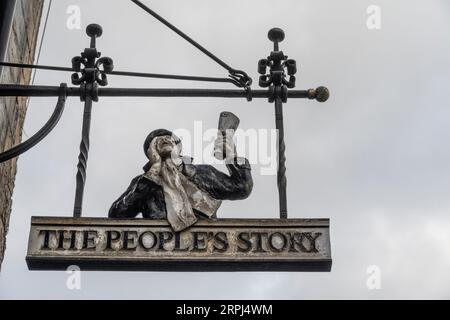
(13,90)
(240,76)
(320,94)
(281,174)
(125,73)
(89,81)
(83,158)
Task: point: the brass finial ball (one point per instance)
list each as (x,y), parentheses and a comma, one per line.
(322,94)
(94,30)
(276,35)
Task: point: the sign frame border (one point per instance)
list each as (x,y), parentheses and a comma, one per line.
(179,264)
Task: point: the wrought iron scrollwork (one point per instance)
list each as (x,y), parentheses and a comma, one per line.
(277,81)
(277,74)
(42,133)
(278,63)
(90,73)
(89,67)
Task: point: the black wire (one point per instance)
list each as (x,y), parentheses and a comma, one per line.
(238,75)
(44,30)
(34,73)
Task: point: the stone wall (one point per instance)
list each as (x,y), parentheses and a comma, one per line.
(21,48)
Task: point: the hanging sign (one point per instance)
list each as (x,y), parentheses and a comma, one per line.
(221,245)
(177,198)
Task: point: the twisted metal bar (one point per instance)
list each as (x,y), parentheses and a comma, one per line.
(91,77)
(83,158)
(43,132)
(281,174)
(276,81)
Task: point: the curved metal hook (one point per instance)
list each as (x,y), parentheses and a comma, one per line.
(42,133)
(242,78)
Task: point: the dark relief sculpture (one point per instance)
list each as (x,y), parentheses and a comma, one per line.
(173,188)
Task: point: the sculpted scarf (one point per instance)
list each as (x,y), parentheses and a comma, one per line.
(180,194)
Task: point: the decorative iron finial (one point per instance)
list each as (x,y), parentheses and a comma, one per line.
(279,66)
(94,31)
(91,72)
(322,94)
(276,35)
(91,77)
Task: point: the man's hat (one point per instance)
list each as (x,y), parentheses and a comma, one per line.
(159,133)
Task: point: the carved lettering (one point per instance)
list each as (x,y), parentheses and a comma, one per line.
(240,242)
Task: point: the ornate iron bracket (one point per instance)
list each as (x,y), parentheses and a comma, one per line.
(280,66)
(91,74)
(89,80)
(90,69)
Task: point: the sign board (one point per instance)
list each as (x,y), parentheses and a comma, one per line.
(209,245)
(140,244)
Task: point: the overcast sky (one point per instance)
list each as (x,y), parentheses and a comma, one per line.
(374,158)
